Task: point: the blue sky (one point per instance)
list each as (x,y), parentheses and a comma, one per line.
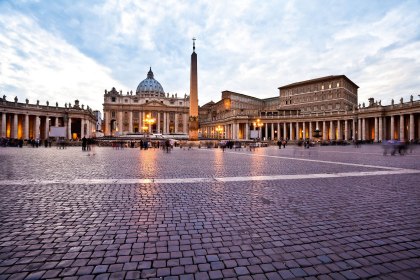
(59,51)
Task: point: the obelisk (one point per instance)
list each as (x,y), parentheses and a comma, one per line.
(193,120)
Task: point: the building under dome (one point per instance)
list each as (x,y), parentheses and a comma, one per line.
(150,86)
(127,113)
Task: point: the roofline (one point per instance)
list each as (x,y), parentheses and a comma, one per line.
(318,80)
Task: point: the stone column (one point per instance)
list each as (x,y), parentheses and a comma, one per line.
(37,128)
(15,125)
(284,130)
(353,125)
(376,139)
(184,126)
(26,130)
(411,127)
(364,129)
(346,130)
(339,133)
(120,122)
(56,121)
(332,130)
(324,131)
(392,128)
(385,129)
(291,131)
(165,123)
(310,130)
(297,131)
(265,131)
(130,121)
(69,128)
(3,124)
(272,131)
(380,130)
(176,122)
(158,122)
(402,128)
(247,131)
(304,131)
(82,130)
(47,127)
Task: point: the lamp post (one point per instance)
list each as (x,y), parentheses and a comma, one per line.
(258,124)
(148,121)
(219,131)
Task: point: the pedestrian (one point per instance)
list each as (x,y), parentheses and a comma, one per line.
(84,143)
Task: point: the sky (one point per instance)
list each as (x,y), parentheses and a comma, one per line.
(60,51)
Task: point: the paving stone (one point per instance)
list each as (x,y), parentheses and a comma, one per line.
(209,229)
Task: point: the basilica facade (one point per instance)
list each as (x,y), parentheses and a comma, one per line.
(148,110)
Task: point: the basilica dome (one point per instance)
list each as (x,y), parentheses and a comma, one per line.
(150,87)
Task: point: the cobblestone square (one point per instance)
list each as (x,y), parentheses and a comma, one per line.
(319,213)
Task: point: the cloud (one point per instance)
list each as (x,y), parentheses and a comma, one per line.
(38,65)
(251,47)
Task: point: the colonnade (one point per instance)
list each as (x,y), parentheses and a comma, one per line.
(401,127)
(36,126)
(165,122)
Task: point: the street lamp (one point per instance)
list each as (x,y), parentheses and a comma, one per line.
(219,131)
(258,124)
(148,121)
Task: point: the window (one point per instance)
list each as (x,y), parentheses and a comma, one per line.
(126,100)
(322,87)
(329,85)
(113,114)
(338,84)
(113,99)
(180,103)
(147,101)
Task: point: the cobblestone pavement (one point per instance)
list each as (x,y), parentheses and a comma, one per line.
(355,215)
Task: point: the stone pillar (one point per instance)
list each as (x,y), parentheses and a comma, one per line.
(120,122)
(364,129)
(37,128)
(272,132)
(247,131)
(385,129)
(310,130)
(304,131)
(291,131)
(26,130)
(392,128)
(3,124)
(346,130)
(56,121)
(402,128)
(158,122)
(69,128)
(380,129)
(130,121)
(339,133)
(265,131)
(411,127)
(184,125)
(176,122)
(278,131)
(353,125)
(332,130)
(324,131)
(284,131)
(47,127)
(82,130)
(376,138)
(297,131)
(15,126)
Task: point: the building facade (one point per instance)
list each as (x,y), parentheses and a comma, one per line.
(34,121)
(320,109)
(127,113)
